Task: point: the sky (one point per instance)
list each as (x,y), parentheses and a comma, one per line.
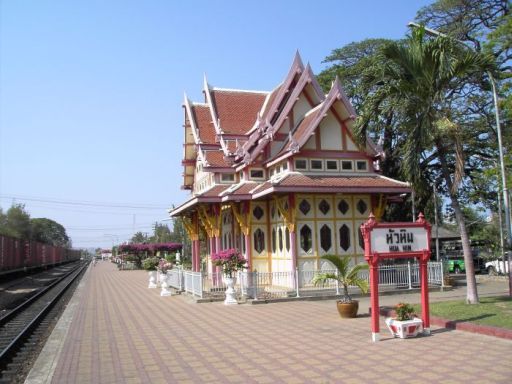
(91,93)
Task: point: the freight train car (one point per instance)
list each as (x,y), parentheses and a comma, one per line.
(18,255)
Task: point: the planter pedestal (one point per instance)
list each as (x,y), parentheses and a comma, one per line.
(230,291)
(152,279)
(165,286)
(406,328)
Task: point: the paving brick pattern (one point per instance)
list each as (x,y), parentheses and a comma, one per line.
(124,332)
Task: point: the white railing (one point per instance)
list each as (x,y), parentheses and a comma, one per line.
(193,283)
(267,285)
(175,278)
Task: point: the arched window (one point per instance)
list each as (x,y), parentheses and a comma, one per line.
(306,241)
(325,237)
(344,237)
(259,240)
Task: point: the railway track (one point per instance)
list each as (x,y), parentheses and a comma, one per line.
(22,328)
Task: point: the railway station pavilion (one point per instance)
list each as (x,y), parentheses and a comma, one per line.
(278,175)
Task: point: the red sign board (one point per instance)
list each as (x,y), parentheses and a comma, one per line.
(396,240)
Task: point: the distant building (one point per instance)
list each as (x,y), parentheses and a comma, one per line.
(279,175)
(106,254)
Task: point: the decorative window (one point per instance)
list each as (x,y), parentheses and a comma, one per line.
(271,172)
(285,166)
(241,174)
(344,237)
(306,241)
(343,207)
(258,212)
(317,165)
(304,207)
(346,165)
(331,165)
(287,238)
(259,240)
(324,207)
(228,177)
(361,238)
(362,165)
(325,237)
(273,240)
(257,174)
(301,164)
(361,206)
(280,232)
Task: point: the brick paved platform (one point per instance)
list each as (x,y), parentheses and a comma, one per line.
(123,332)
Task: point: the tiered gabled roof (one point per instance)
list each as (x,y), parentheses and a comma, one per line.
(235,129)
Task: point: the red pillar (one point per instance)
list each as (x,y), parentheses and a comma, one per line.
(425,314)
(198,256)
(374,289)
(193,250)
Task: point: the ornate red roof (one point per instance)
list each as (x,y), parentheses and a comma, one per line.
(237,110)
(203,119)
(216,159)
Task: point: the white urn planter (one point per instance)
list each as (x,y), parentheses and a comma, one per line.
(152,279)
(404,328)
(230,290)
(164,285)
(161,278)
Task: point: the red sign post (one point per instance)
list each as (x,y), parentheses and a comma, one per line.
(393,241)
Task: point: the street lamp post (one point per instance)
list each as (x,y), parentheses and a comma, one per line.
(500,149)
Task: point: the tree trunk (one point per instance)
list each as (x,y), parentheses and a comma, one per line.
(471,290)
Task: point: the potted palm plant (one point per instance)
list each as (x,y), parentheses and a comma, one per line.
(347,275)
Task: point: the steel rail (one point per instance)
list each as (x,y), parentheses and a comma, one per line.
(8,350)
(4,319)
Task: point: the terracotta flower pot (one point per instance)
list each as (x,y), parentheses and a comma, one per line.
(348,310)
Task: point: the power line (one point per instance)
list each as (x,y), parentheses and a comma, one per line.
(86,203)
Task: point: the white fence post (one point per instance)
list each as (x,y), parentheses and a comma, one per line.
(297,281)
(409,274)
(200,274)
(255,284)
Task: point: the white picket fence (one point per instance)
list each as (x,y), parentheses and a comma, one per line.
(267,285)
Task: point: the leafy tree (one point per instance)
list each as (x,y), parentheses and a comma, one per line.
(139,238)
(161,234)
(16,222)
(420,76)
(180,235)
(49,232)
(485,25)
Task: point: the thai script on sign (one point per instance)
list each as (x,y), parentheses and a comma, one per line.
(400,240)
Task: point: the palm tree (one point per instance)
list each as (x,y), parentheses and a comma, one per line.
(345,274)
(418,77)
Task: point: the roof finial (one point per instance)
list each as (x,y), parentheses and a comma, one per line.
(297,60)
(206,86)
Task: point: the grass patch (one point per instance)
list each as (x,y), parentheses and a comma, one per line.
(493,311)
